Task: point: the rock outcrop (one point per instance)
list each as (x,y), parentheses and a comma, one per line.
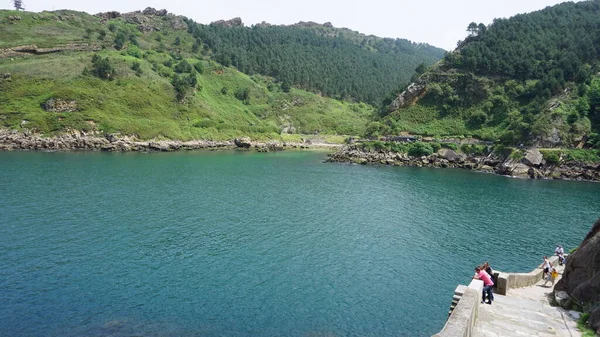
(59,105)
(243,142)
(581,277)
(235,22)
(409,96)
(492,163)
(34,50)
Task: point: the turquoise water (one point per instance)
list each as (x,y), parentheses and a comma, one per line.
(246,244)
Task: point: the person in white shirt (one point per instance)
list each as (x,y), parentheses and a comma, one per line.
(560,252)
(547,267)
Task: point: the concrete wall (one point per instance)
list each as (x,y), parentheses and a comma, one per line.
(464,316)
(507,281)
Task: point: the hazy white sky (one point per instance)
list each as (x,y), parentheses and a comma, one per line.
(438,22)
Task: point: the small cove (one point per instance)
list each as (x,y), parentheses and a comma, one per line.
(248,244)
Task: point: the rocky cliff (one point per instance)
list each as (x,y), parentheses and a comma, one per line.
(580,282)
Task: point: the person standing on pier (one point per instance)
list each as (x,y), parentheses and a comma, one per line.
(481,274)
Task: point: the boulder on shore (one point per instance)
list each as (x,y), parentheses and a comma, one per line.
(243,142)
(533,157)
(450,155)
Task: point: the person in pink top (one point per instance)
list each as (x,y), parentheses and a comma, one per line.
(481,274)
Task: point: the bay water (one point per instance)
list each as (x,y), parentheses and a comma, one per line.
(249,244)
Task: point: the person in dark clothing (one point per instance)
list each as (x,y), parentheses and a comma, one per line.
(488,269)
(480,274)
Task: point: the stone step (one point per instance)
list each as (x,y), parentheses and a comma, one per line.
(511,316)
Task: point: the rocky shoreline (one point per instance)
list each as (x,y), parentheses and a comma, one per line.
(74,140)
(532,165)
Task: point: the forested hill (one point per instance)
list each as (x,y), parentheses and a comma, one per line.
(532,78)
(337,63)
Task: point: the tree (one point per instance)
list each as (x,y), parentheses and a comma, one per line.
(18,5)
(472,29)
(120,40)
(243,95)
(102,68)
(101,34)
(196,47)
(182,83)
(183,67)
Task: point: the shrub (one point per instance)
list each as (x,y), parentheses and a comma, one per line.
(164,71)
(551,157)
(419,149)
(205,123)
(375,146)
(224,90)
(101,34)
(376,129)
(137,67)
(583,155)
(473,149)
(135,51)
(516,155)
(435,146)
(242,94)
(199,67)
(450,146)
(399,147)
(169,63)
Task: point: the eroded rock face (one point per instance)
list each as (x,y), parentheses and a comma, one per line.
(409,96)
(581,278)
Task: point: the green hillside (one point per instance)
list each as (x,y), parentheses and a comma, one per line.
(530,79)
(144,74)
(333,61)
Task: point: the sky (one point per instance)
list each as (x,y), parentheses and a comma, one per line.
(441,23)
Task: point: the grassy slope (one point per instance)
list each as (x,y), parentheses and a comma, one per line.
(431,117)
(145,105)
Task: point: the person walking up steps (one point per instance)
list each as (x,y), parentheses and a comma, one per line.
(480,274)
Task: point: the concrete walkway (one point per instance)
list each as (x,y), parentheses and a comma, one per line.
(526,312)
